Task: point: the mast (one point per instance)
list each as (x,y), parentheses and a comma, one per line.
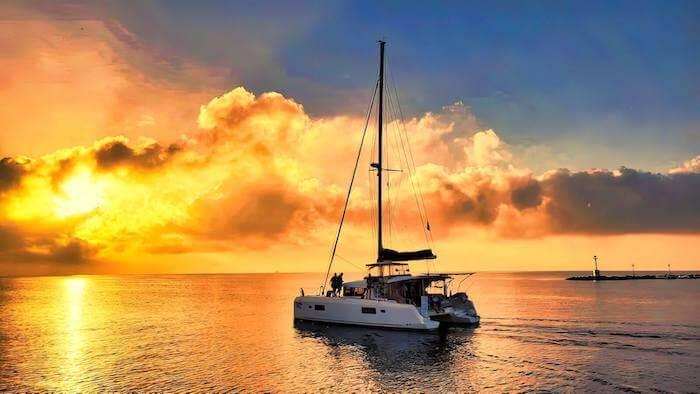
(380,168)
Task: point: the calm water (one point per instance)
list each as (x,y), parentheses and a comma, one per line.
(235,332)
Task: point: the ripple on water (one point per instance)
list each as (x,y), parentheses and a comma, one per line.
(235,332)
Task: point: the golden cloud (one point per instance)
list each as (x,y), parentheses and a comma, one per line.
(259,171)
(237,178)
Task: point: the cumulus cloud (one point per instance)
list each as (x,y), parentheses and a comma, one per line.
(527,194)
(488,191)
(30,246)
(11,172)
(240,178)
(624,201)
(689,166)
(115,152)
(260,171)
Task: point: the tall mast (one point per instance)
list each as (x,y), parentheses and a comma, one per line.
(380,168)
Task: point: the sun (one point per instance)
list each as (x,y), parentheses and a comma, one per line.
(80,194)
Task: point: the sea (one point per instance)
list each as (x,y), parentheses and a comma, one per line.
(235,333)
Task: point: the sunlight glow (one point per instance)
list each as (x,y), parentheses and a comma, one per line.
(81,194)
(75,288)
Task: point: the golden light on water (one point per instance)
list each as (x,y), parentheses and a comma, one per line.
(75,288)
(74,341)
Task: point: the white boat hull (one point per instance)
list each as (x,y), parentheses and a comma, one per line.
(361,312)
(453,317)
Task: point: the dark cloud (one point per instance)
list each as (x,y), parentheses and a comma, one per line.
(482,208)
(266,213)
(254,214)
(632,202)
(118,153)
(17,245)
(528,195)
(601,202)
(11,172)
(9,238)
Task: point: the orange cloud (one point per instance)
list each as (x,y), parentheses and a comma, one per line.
(260,172)
(81,79)
(239,179)
(688,167)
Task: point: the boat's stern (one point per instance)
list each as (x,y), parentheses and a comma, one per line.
(457,310)
(299,308)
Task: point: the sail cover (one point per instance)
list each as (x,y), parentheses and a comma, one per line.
(392,255)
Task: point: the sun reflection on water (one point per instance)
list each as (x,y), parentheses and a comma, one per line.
(235,333)
(74,341)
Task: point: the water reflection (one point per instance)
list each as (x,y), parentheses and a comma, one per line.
(73,306)
(235,333)
(396,359)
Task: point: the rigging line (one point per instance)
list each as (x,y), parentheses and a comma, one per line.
(349,262)
(372,186)
(370,191)
(394,118)
(352,180)
(371,197)
(389,209)
(391,142)
(397,152)
(410,150)
(411,153)
(399,224)
(422,212)
(397,191)
(469,285)
(416,198)
(400,110)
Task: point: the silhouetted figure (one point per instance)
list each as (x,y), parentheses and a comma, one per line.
(334,283)
(340,283)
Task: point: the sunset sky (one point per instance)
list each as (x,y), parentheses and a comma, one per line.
(141,137)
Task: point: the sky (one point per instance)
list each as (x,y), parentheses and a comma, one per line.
(221,136)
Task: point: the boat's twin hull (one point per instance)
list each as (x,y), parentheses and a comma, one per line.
(361,312)
(456,319)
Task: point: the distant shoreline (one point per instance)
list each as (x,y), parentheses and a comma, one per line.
(635,277)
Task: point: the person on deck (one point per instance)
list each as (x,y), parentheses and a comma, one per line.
(334,283)
(340,283)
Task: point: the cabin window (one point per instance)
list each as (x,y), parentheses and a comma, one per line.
(372,311)
(383,311)
(320,307)
(353,291)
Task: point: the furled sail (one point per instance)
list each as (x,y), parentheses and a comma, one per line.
(393,255)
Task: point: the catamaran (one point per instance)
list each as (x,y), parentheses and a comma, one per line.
(389,296)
